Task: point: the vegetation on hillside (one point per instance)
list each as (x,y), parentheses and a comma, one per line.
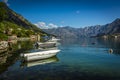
(12,23)
(9,29)
(3,12)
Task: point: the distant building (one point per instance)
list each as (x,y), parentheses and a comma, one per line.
(19,29)
(38,37)
(105,36)
(116,36)
(33,37)
(8,31)
(13,37)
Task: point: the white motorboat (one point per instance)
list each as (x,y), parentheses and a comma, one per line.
(39,55)
(45,44)
(53,48)
(54,40)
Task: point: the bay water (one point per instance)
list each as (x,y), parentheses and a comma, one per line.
(79,59)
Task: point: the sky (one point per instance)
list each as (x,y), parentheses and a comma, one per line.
(74,13)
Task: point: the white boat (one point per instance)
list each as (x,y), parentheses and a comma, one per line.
(54,40)
(53,48)
(40,62)
(39,55)
(46,44)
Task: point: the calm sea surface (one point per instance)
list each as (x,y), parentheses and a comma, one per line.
(83,59)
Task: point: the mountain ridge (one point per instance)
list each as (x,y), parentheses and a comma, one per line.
(91,31)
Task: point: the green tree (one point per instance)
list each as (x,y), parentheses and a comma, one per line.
(3,12)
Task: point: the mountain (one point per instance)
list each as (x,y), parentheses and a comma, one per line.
(62,32)
(14,22)
(90,31)
(112,28)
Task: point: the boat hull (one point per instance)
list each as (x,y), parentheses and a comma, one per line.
(47,44)
(40,55)
(54,40)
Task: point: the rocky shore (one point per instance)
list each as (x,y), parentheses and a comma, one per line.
(3,46)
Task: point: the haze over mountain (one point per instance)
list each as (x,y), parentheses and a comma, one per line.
(90,31)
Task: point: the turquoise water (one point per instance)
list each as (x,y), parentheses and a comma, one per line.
(78,60)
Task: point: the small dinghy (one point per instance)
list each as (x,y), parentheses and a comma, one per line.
(45,44)
(39,55)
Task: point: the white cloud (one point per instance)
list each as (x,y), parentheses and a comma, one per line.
(61,25)
(51,25)
(43,25)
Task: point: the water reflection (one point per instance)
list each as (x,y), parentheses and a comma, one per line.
(6,59)
(39,62)
(107,44)
(10,56)
(3,57)
(112,43)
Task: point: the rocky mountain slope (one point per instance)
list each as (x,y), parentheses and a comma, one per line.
(13,23)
